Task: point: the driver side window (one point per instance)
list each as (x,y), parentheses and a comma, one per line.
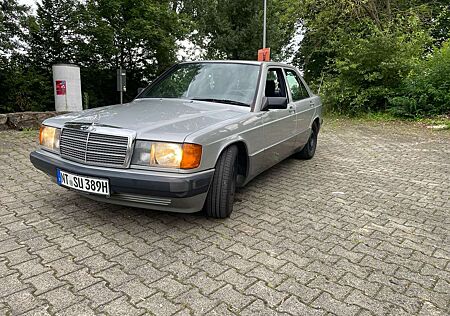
(275,86)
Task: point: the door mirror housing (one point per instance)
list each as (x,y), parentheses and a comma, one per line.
(274,103)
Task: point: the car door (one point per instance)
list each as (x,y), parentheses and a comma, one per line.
(279,125)
(303,103)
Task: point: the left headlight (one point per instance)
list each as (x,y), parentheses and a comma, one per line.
(167,155)
(49,137)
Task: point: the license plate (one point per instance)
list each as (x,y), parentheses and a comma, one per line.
(82,183)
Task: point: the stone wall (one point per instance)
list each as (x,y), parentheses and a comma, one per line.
(24,120)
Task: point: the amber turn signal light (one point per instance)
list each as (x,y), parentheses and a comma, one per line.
(192,155)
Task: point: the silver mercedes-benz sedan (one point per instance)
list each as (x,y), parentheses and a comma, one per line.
(186,141)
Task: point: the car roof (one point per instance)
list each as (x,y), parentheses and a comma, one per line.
(247,62)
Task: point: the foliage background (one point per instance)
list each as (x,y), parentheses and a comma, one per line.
(362,56)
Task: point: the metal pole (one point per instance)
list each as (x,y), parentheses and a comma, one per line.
(264,24)
(120,84)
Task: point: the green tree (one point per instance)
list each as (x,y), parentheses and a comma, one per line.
(232,29)
(440,29)
(13,18)
(17,83)
(53,33)
(140,36)
(360,51)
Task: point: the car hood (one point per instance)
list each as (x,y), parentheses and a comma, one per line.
(156,119)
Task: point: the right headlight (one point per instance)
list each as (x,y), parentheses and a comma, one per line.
(49,137)
(167,155)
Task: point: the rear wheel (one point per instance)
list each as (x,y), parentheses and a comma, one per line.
(309,149)
(219,202)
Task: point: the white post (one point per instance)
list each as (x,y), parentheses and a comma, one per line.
(264,24)
(67,88)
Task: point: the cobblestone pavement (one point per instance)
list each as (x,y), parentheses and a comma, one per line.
(361,229)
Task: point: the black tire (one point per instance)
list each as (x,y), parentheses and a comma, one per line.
(309,149)
(219,202)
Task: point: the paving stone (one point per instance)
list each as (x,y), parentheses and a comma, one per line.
(128,261)
(9,245)
(39,311)
(82,252)
(267,260)
(157,304)
(31,268)
(327,302)
(236,300)
(305,293)
(23,301)
(409,304)
(429,309)
(99,294)
(97,263)
(221,309)
(80,279)
(66,242)
(136,290)
(242,250)
(272,278)
(60,298)
(269,295)
(376,307)
(364,285)
(18,256)
(293,306)
(299,274)
(258,307)
(120,307)
(198,303)
(180,270)
(442,286)
(148,273)
(335,289)
(171,287)
(204,283)
(51,253)
(64,266)
(212,268)
(238,280)
(44,282)
(114,276)
(438,299)
(78,309)
(241,264)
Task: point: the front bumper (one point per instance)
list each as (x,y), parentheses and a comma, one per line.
(165,191)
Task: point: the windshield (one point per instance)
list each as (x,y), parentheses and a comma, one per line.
(216,82)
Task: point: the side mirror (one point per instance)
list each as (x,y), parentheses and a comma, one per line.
(140,90)
(274,103)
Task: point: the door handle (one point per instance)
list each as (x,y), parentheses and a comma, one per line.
(311,103)
(291,109)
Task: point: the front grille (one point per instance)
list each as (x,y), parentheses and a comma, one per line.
(94,148)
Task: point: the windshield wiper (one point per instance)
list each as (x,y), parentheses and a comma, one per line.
(225,101)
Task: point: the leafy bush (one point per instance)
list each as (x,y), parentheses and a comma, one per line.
(426,90)
(370,66)
(25,89)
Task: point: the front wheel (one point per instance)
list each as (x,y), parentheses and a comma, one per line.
(219,202)
(309,149)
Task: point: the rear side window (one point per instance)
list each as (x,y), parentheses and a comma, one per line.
(295,84)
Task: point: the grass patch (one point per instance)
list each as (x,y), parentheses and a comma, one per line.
(440,122)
